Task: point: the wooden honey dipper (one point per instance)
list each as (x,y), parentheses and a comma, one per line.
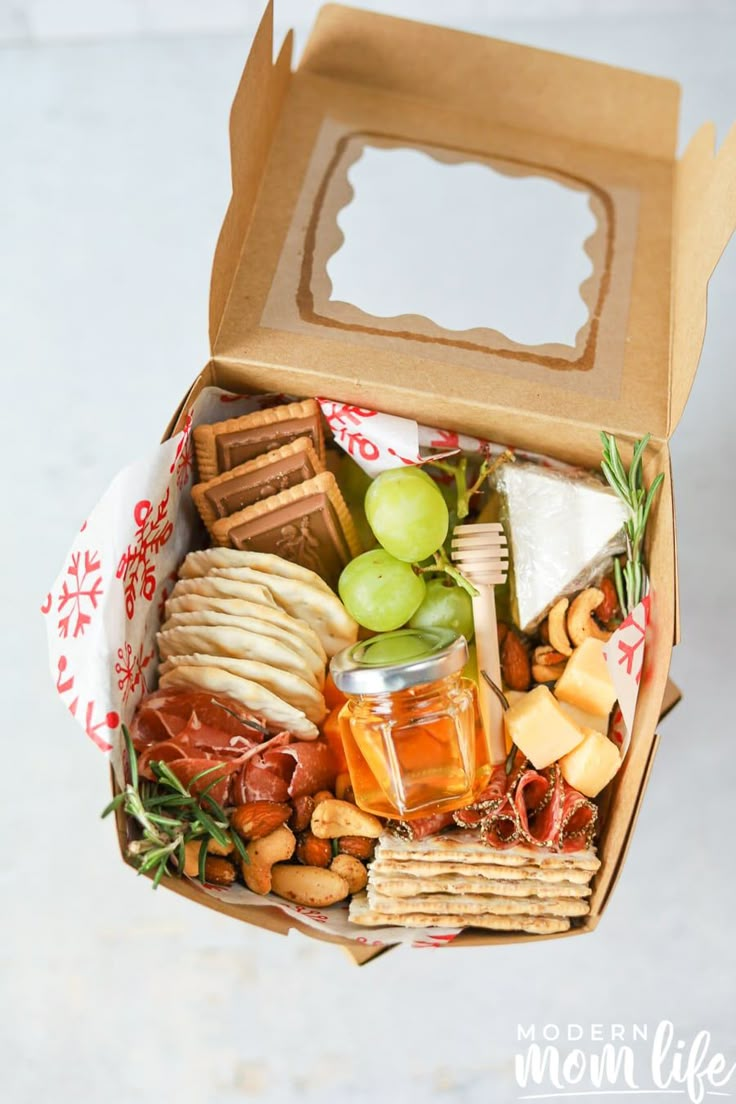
(481,553)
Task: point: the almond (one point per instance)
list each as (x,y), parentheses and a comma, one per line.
(257,819)
(333,818)
(302,815)
(352,870)
(606,611)
(515,665)
(358,846)
(311,851)
(218,871)
(308,885)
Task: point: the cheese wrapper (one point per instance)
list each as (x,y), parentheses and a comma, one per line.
(562,530)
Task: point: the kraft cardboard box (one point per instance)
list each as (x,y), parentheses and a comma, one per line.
(368,82)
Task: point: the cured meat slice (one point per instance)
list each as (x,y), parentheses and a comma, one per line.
(213,720)
(578,820)
(421,827)
(538,803)
(293,770)
(218,773)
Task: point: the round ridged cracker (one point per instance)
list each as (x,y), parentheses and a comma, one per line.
(303,656)
(228,640)
(210,559)
(322,610)
(250,694)
(289,687)
(253,591)
(239,607)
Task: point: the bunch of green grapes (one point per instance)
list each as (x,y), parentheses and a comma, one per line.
(382,589)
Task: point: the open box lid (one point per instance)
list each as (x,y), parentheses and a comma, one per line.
(576,291)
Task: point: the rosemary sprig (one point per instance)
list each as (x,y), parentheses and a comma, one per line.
(170,816)
(631,579)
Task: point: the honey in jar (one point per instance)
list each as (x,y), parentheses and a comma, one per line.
(411,730)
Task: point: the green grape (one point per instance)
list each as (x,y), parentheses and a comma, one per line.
(394,647)
(446,607)
(407,513)
(379,591)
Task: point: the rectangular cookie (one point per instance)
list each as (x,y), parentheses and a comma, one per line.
(259,478)
(308,524)
(222,446)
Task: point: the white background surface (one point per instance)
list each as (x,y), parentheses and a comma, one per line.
(113,182)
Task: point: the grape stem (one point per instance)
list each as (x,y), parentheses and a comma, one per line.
(459,472)
(442,563)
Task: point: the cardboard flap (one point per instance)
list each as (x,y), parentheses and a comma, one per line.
(297,288)
(704,218)
(515,85)
(253,118)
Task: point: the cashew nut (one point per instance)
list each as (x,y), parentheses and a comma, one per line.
(312,886)
(262,854)
(191,854)
(333,818)
(556,628)
(352,870)
(580,622)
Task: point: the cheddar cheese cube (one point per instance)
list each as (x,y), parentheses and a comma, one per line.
(539,727)
(592,764)
(585,720)
(586,682)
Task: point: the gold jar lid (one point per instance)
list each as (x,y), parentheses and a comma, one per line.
(397,660)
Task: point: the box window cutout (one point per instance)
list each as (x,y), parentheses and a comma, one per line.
(464,245)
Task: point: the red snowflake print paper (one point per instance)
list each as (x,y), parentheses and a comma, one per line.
(137,566)
(81,592)
(624,654)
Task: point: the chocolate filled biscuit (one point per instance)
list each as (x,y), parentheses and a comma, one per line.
(226,445)
(308,524)
(256,479)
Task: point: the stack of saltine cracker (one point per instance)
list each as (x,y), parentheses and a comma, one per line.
(257,629)
(457,880)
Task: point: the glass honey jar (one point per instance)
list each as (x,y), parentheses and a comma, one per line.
(411,728)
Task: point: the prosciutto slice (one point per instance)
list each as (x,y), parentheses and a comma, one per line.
(292,770)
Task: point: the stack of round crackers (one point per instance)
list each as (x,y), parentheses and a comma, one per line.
(457,880)
(256,628)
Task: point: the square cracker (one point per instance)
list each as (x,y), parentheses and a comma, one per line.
(362,914)
(490,870)
(468,846)
(396,886)
(477,904)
